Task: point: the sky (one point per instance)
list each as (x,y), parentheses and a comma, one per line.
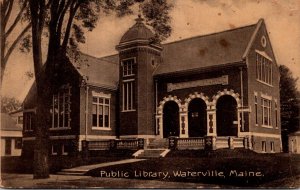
(189,18)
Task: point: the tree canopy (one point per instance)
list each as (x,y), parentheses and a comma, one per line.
(289,100)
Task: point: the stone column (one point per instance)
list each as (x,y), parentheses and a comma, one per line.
(183,123)
(211,123)
(159,125)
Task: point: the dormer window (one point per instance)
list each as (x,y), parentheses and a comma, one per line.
(128,67)
(263,69)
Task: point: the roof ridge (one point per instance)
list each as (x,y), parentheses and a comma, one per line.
(210,34)
(99,58)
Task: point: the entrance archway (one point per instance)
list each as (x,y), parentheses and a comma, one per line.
(197,118)
(170,119)
(227,116)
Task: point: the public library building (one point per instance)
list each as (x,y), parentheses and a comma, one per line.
(223,85)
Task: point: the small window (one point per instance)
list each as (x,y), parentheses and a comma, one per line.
(20,120)
(276,115)
(18,143)
(65,149)
(29,121)
(255,105)
(263,146)
(272,147)
(54,149)
(7,147)
(128,67)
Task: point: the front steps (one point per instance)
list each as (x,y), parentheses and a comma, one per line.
(155,149)
(158,144)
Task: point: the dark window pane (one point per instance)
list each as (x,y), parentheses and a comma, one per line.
(18,143)
(101,116)
(106,118)
(7,146)
(106,101)
(94,112)
(95,99)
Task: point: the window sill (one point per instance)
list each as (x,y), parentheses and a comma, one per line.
(267,126)
(54,154)
(264,83)
(28,130)
(128,110)
(101,128)
(128,75)
(59,128)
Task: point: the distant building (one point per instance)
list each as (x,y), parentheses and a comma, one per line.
(11,135)
(221,85)
(294,142)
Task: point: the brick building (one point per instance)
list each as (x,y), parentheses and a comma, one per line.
(224,85)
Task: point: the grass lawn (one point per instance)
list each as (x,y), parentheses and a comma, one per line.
(56,163)
(232,167)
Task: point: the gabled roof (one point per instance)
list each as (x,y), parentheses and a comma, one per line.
(221,48)
(102,72)
(8,123)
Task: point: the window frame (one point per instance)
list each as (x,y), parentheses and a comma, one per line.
(18,143)
(104,105)
(63,93)
(52,149)
(126,65)
(266,106)
(263,146)
(128,105)
(256,109)
(20,118)
(28,121)
(264,69)
(63,152)
(272,146)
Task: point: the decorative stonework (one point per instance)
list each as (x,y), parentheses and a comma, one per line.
(166,99)
(193,96)
(231,92)
(203,82)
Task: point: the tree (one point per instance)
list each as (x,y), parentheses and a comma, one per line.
(66,21)
(9,104)
(8,28)
(289,104)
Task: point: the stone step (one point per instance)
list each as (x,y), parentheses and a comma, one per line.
(151,153)
(158,143)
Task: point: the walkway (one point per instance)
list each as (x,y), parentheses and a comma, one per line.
(66,181)
(81,170)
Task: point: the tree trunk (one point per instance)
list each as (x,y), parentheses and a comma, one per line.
(41,149)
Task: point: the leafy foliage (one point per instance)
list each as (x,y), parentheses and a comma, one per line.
(157,16)
(9,104)
(289,104)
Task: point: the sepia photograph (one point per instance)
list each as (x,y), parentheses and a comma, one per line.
(178,94)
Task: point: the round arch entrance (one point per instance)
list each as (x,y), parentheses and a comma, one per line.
(170,119)
(227,116)
(197,118)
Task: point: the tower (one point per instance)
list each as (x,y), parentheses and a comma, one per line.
(138,57)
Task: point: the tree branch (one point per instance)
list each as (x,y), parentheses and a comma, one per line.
(73,11)
(17,19)
(12,47)
(7,15)
(61,18)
